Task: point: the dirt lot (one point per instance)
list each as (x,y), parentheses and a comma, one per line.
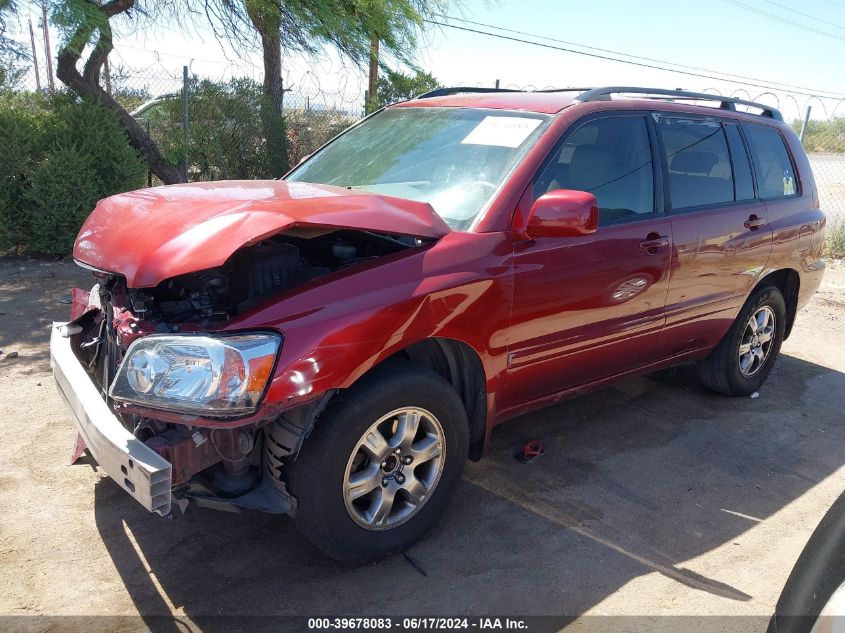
(654,497)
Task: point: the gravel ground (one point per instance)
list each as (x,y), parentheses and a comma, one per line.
(654,497)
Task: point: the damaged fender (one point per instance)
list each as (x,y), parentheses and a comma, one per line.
(335,332)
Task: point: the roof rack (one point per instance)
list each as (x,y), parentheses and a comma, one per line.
(726,103)
(603,94)
(442,92)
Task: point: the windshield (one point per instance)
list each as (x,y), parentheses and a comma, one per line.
(453,158)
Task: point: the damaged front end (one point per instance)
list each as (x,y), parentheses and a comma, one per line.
(184,416)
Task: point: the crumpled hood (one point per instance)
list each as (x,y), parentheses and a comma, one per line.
(153,234)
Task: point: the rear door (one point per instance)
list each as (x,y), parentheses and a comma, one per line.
(721,231)
(589,307)
(791,214)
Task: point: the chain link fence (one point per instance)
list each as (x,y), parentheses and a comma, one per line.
(824,141)
(222,117)
(226,141)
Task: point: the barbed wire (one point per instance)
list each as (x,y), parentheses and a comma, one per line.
(327,95)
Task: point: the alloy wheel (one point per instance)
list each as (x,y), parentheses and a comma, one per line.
(756,341)
(394,468)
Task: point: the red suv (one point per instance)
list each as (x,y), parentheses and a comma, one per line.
(335,344)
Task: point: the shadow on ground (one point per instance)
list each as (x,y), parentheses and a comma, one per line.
(635,479)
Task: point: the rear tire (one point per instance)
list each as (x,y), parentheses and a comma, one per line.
(381,464)
(743,359)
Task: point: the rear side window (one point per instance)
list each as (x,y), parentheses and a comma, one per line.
(610,158)
(775,174)
(743,182)
(700,170)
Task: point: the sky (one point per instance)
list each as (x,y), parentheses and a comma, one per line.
(769,41)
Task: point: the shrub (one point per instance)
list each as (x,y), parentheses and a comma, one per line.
(59,200)
(394,86)
(226,139)
(59,157)
(308,130)
(823,136)
(834,241)
(23,120)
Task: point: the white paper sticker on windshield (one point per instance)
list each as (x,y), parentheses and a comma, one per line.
(501,131)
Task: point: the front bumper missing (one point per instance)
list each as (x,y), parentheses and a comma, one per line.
(136,468)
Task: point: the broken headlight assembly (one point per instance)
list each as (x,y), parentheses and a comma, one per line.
(210,375)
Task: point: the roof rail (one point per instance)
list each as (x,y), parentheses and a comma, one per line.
(726,103)
(442,92)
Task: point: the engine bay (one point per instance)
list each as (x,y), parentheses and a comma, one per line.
(256,273)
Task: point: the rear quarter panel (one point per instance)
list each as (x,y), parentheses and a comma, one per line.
(798,225)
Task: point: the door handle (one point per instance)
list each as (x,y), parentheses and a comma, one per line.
(753,222)
(653,241)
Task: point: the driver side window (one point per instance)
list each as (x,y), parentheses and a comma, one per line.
(610,158)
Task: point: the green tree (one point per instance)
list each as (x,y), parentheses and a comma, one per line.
(10,76)
(298,26)
(10,49)
(395,86)
(309,26)
(87,25)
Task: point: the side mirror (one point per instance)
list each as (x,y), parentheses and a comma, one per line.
(563,213)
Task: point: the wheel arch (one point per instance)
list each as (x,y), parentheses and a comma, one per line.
(454,360)
(788,281)
(460,365)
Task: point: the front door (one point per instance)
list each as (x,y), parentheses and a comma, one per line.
(589,307)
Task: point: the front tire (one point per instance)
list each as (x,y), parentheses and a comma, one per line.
(381,464)
(743,359)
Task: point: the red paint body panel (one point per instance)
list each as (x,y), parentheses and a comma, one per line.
(78,302)
(563,213)
(716,263)
(569,325)
(187,458)
(336,331)
(151,235)
(547,317)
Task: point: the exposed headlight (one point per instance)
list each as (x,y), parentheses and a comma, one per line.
(222,375)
